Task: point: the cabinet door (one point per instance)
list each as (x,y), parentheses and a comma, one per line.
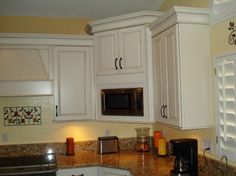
(132,51)
(159,70)
(171,76)
(102,171)
(87,171)
(120,51)
(165,55)
(106,52)
(73,83)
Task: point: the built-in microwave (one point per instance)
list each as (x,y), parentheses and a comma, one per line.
(122,101)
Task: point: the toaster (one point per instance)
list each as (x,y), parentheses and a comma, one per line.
(108,144)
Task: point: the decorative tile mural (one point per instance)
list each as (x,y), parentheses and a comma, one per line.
(27,115)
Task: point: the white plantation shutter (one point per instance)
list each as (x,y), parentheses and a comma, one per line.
(226,101)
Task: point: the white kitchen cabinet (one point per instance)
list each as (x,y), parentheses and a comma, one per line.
(181,51)
(164,47)
(92,171)
(73,83)
(105,171)
(86,171)
(120,43)
(120,51)
(123,59)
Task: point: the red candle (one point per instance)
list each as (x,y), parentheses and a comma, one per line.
(70,150)
(157,135)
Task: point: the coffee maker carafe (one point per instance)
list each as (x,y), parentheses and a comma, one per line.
(186,157)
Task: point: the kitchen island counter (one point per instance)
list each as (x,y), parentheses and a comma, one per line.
(138,163)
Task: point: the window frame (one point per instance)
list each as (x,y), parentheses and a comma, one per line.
(224,143)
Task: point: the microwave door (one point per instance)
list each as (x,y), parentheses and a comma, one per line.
(123,102)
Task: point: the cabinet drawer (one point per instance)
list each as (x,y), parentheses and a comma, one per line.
(86,171)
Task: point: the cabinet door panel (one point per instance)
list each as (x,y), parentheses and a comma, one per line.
(132,49)
(102,171)
(72,83)
(159,70)
(171,76)
(106,49)
(86,171)
(72,91)
(166,58)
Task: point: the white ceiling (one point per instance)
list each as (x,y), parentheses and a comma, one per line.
(93,9)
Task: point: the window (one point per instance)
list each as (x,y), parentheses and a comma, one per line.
(226,102)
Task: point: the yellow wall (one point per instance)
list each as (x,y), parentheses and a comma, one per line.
(201,134)
(24,24)
(219,38)
(188,3)
(51,131)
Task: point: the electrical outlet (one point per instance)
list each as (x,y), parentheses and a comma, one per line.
(206,143)
(107,132)
(4,137)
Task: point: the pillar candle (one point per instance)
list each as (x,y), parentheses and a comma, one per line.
(162,146)
(70,146)
(157,135)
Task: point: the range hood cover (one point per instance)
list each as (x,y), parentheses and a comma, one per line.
(25,70)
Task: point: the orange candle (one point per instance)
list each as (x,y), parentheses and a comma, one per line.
(70,146)
(157,135)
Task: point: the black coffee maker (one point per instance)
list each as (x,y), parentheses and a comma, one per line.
(186,157)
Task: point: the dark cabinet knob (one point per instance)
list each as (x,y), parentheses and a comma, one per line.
(162,114)
(56,111)
(120,65)
(164,110)
(116,63)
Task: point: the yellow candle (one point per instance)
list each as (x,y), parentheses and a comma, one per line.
(162,146)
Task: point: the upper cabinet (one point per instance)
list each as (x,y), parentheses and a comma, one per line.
(123,59)
(120,51)
(120,43)
(73,83)
(181,51)
(56,65)
(165,48)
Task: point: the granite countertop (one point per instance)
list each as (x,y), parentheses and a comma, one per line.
(138,163)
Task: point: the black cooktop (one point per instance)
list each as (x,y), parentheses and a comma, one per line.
(28,164)
(48,159)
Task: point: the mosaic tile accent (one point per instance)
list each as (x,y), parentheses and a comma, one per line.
(18,116)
